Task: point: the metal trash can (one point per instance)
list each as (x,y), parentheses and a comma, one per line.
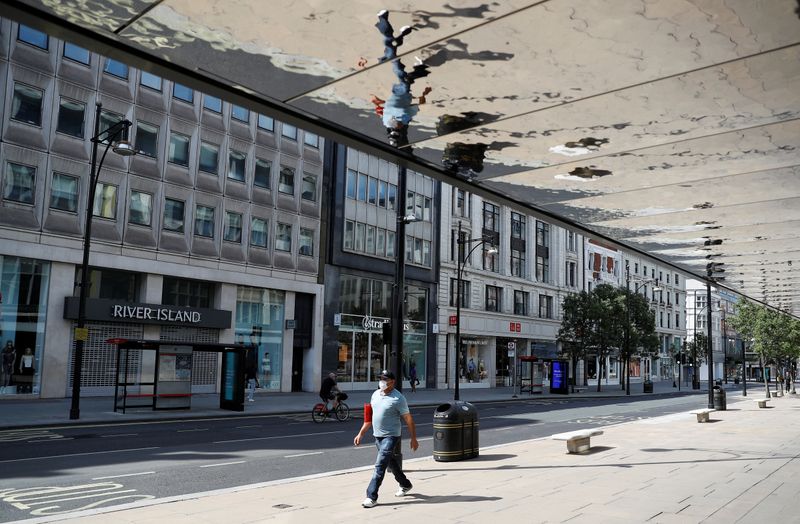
(455,432)
(647,386)
(720,402)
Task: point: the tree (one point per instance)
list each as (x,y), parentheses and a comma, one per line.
(640,330)
(575,333)
(607,308)
(697,348)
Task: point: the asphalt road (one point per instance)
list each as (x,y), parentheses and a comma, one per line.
(51,471)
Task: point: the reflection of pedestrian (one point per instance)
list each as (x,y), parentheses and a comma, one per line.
(399,108)
(471,370)
(412,377)
(27,371)
(389,406)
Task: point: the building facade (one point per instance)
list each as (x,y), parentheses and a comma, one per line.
(210,233)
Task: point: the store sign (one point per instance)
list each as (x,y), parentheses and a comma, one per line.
(453,320)
(107,310)
(515,327)
(376,324)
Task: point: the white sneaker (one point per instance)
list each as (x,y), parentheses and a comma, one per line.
(250,400)
(369,503)
(402,492)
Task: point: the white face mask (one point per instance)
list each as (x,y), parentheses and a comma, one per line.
(382,385)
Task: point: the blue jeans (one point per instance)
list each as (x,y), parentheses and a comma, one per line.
(386,459)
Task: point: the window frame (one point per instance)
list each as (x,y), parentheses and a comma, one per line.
(268,178)
(265,231)
(240,160)
(74,58)
(61,102)
(286,171)
(167,203)
(229,231)
(214,109)
(309,181)
(244,117)
(170,150)
(31,189)
(282,243)
(177,87)
(292,131)
(493,300)
(521,302)
(99,202)
(149,222)
(15,115)
(309,238)
(147,75)
(208,146)
(46,45)
(201,222)
(139,125)
(73,198)
(116,69)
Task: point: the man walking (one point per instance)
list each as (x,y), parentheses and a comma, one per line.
(388,407)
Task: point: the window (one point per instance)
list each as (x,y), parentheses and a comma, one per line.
(64,193)
(212,103)
(233,227)
(350,188)
(31,36)
(105,201)
(76,53)
(521,299)
(70,118)
(545,306)
(390,243)
(178,149)
(465,285)
(372,191)
(460,203)
(360,236)
(107,121)
(286,180)
(491,216)
(236,161)
(392,202)
(240,113)
(310,139)
(572,271)
(517,245)
(263,173)
(147,139)
(283,237)
(677,320)
(204,221)
(677,282)
(116,68)
(306,242)
(380,242)
(289,131)
(181,92)
(187,293)
(258,232)
(150,80)
(141,210)
(209,158)
(309,189)
(27,105)
(265,122)
(571,242)
(382,188)
(173,215)
(426,253)
(543,252)
(19,183)
(362,187)
(493,298)
(349,234)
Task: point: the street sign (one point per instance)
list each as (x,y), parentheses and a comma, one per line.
(453,320)
(512,345)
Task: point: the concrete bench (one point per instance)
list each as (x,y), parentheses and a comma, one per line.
(762,402)
(702,414)
(578,441)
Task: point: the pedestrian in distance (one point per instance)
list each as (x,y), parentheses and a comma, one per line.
(389,406)
(412,377)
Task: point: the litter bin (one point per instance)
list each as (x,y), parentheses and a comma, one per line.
(720,402)
(455,432)
(648,386)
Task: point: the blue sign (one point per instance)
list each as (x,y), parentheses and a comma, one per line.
(559,374)
(229,381)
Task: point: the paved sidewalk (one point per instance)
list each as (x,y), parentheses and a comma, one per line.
(21,413)
(744,466)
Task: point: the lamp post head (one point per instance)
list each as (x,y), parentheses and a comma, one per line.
(492,250)
(124,148)
(407,219)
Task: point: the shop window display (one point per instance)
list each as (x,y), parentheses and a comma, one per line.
(259,326)
(23,310)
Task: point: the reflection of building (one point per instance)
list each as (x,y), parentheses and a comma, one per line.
(511,300)
(211,230)
(359,271)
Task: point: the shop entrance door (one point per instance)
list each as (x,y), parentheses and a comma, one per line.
(362,356)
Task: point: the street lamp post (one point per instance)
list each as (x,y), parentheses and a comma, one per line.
(628,321)
(462,260)
(121,147)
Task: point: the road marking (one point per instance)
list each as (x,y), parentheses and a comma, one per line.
(26,434)
(119,435)
(276,437)
(303,454)
(223,464)
(49,440)
(190,430)
(248,427)
(76,454)
(126,475)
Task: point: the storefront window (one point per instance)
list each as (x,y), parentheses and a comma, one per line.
(476,352)
(259,325)
(365,307)
(23,312)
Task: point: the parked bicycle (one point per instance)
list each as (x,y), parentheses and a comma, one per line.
(322,411)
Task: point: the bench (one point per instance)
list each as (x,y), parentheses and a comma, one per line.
(578,441)
(762,402)
(702,414)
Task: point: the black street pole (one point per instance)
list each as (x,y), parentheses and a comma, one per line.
(398,297)
(744,370)
(710,346)
(81,333)
(627,375)
(459,286)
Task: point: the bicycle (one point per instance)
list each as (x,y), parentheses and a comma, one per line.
(321,412)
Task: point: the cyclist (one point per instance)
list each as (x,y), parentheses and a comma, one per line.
(329,390)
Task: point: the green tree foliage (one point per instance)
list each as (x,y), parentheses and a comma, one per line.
(575,333)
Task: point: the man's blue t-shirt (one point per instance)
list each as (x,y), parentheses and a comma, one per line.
(386,412)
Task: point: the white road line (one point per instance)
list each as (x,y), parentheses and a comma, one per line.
(276,437)
(49,457)
(247,427)
(303,454)
(190,430)
(119,435)
(49,440)
(126,475)
(223,464)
